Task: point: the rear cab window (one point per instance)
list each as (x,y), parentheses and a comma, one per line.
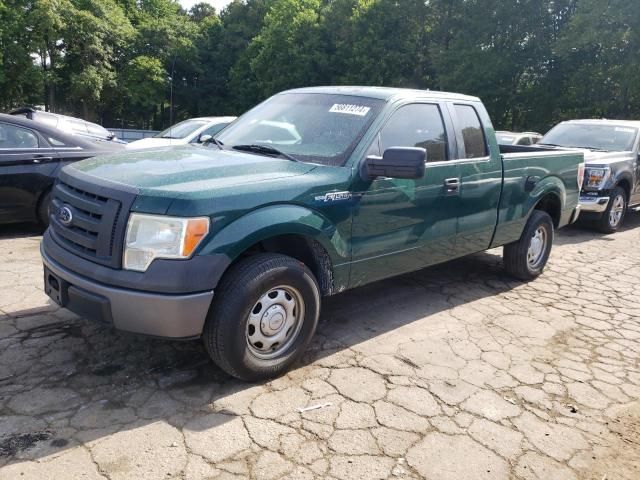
(475,144)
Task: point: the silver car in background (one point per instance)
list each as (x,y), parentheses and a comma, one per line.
(183,133)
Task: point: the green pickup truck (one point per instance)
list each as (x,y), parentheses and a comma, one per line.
(312,192)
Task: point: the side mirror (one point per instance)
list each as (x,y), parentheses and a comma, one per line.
(396,162)
(204,138)
(111,136)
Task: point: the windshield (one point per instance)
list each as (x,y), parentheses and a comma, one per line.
(182,129)
(312,127)
(505,138)
(610,138)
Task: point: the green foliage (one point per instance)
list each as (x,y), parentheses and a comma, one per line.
(142,62)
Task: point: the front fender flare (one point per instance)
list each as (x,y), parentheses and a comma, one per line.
(267,222)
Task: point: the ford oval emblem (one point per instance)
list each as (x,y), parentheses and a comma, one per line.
(65,216)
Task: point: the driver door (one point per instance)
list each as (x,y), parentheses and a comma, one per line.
(403,225)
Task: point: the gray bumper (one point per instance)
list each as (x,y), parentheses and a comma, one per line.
(156,314)
(594,204)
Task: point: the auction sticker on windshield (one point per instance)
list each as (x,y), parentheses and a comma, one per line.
(359,110)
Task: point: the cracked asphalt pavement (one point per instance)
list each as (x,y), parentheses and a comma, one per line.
(451,373)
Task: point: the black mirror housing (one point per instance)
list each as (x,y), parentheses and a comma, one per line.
(396,162)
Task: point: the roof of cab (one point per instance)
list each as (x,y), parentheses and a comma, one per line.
(384,93)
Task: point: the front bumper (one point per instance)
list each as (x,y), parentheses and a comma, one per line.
(157,314)
(594,204)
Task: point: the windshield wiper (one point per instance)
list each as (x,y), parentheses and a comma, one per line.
(263,149)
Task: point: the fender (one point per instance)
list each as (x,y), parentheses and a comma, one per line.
(514,213)
(274,220)
(618,177)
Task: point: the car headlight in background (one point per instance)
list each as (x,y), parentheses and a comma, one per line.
(157,236)
(597,176)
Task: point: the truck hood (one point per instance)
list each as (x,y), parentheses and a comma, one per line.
(189,168)
(605,158)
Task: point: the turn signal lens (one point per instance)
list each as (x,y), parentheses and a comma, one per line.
(197,229)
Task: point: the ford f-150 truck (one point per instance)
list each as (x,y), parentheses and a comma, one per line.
(612,173)
(310,193)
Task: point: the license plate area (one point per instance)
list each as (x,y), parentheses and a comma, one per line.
(55,288)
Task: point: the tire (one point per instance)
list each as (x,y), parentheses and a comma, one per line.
(613,216)
(524,259)
(257,302)
(43,209)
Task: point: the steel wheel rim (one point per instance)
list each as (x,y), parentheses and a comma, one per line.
(537,247)
(617,210)
(274,322)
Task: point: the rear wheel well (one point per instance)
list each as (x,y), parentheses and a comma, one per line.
(304,249)
(552,205)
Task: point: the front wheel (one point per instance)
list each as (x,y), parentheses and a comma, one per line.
(614,214)
(526,258)
(263,316)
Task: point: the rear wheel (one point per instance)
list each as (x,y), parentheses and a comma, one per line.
(263,316)
(43,209)
(526,258)
(612,217)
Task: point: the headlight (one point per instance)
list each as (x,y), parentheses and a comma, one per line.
(156,236)
(596,176)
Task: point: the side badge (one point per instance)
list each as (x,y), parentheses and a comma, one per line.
(334,197)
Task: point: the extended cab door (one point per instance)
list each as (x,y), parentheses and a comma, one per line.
(403,225)
(27,164)
(480,177)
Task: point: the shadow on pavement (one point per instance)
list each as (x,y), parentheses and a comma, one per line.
(66,381)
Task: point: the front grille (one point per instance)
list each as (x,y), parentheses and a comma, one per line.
(97,222)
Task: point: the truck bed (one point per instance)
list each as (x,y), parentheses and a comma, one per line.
(528,171)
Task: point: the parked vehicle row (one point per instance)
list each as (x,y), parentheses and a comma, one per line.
(35,145)
(310,193)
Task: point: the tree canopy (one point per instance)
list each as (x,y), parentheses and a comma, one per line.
(141,63)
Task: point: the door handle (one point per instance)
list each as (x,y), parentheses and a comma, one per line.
(452,185)
(42,159)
